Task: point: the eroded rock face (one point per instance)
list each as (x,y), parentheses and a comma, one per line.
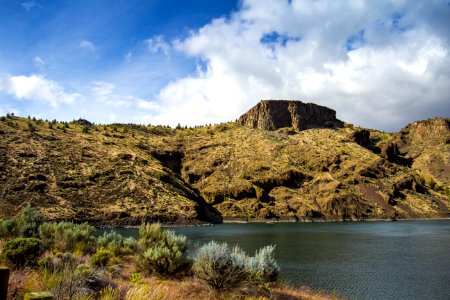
(275,114)
(424,146)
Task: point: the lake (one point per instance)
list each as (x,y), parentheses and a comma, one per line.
(359,260)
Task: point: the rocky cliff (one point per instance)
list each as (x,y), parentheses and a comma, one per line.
(425,147)
(276,114)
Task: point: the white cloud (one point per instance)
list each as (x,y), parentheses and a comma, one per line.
(39,63)
(88,45)
(29,5)
(36,88)
(104,92)
(157,44)
(398,69)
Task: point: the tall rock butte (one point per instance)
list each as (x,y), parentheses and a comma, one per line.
(275,114)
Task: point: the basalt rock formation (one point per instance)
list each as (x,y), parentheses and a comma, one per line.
(276,114)
(425,147)
(315,168)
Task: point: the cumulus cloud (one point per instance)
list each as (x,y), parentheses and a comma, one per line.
(157,44)
(87,45)
(379,64)
(36,88)
(105,92)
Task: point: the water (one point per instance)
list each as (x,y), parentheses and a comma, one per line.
(371,260)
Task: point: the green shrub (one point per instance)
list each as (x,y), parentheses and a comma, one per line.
(21,252)
(102,258)
(225,268)
(8,229)
(31,128)
(25,225)
(117,243)
(68,237)
(29,221)
(135,278)
(161,251)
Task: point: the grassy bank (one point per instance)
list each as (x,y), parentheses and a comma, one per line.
(71,262)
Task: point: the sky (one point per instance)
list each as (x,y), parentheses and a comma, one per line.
(379,64)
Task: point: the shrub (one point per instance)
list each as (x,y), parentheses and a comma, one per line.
(135,278)
(29,221)
(262,267)
(8,229)
(218,266)
(117,243)
(21,252)
(225,268)
(102,258)
(31,128)
(68,277)
(161,251)
(25,225)
(68,237)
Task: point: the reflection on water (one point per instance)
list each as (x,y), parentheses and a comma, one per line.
(372,260)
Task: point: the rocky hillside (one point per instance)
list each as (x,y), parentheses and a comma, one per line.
(125,174)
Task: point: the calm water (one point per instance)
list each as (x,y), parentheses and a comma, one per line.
(372,260)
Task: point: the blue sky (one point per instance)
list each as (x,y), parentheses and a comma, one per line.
(378,65)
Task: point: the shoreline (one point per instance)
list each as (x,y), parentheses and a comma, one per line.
(236,221)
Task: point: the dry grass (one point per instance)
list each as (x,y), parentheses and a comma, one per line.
(154,288)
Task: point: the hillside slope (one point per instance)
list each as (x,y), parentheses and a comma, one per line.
(125,174)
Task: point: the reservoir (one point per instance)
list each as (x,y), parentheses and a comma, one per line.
(358,260)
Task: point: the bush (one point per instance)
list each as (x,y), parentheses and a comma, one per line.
(161,251)
(102,258)
(66,276)
(262,267)
(25,225)
(219,266)
(8,229)
(68,237)
(29,221)
(21,252)
(116,243)
(225,268)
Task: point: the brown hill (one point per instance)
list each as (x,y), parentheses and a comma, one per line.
(125,174)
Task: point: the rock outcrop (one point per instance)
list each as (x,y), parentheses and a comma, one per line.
(425,147)
(275,114)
